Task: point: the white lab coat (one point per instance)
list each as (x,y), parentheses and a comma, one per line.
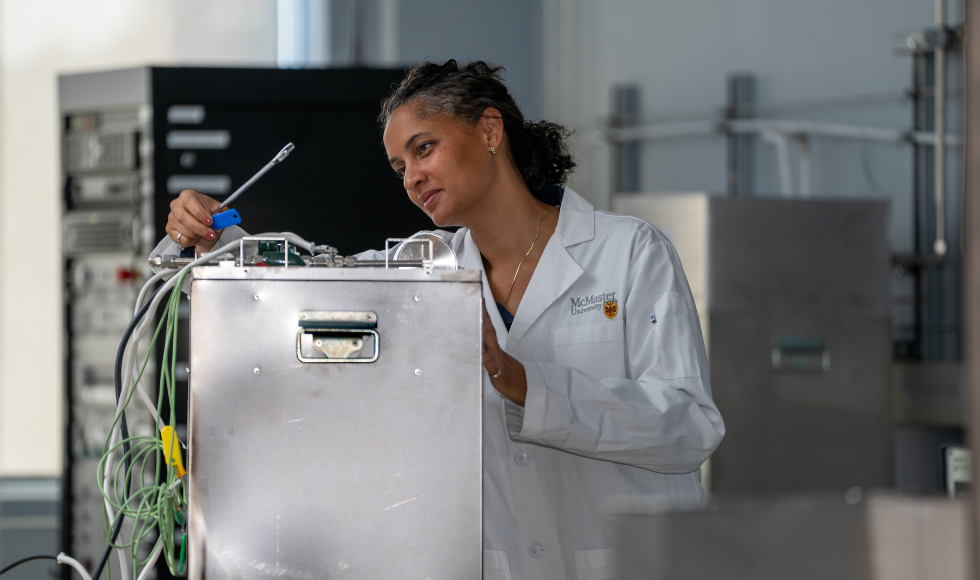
(618,397)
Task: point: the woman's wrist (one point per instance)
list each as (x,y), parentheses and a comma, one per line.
(512,380)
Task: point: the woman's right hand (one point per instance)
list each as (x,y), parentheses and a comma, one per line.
(190,216)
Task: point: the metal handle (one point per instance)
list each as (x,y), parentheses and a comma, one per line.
(337,344)
(337,334)
(800,354)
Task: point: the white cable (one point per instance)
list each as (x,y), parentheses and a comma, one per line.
(132,350)
(149,284)
(123,568)
(66,559)
(148,569)
(293,239)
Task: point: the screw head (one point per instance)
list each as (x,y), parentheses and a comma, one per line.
(417,298)
(255,370)
(256,297)
(318,343)
(418,371)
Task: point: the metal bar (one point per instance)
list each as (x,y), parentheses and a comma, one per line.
(393,263)
(971,264)
(812,128)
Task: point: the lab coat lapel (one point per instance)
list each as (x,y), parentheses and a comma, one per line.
(556,270)
(473,260)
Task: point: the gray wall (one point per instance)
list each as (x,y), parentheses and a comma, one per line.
(505,33)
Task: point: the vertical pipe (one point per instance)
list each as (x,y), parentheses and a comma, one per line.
(740,96)
(626,113)
(939,183)
(916,349)
(731,139)
(971,262)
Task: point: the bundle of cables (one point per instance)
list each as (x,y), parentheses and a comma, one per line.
(157,503)
(142,476)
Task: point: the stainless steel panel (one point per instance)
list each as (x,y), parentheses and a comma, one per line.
(802,429)
(792,256)
(793,302)
(816,537)
(335,470)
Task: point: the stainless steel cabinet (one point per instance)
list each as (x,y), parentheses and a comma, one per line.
(335,423)
(793,301)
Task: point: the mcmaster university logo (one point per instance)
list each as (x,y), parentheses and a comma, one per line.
(605,302)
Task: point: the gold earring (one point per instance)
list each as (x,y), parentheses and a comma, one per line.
(493,150)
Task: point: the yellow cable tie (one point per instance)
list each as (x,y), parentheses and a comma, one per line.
(169,439)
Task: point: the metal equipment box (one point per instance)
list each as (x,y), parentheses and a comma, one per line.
(793,297)
(335,426)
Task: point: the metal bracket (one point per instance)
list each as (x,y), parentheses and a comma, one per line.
(426,262)
(257,239)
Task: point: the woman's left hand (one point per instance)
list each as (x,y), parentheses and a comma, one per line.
(506,372)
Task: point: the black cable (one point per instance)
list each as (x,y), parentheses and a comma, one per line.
(125,432)
(27,559)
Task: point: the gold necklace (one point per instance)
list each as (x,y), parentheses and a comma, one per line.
(521,263)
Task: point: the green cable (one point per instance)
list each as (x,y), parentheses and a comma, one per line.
(158,503)
(183,545)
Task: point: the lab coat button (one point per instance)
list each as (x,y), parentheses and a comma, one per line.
(522,458)
(536,550)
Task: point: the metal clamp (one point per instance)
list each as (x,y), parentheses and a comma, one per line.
(426,262)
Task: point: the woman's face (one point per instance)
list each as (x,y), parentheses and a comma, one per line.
(445,165)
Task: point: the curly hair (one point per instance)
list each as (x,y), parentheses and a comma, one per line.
(539,150)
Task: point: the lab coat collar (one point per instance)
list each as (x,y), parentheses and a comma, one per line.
(555,273)
(576,222)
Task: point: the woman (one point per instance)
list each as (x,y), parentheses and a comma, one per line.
(596,379)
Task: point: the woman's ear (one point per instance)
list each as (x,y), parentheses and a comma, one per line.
(492,123)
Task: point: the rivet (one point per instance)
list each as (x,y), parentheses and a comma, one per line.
(255,370)
(417,298)
(256,297)
(418,371)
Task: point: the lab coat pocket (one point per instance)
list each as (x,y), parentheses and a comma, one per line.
(496,565)
(595,564)
(595,349)
(676,337)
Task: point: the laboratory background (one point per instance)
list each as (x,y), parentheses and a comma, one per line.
(815,164)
